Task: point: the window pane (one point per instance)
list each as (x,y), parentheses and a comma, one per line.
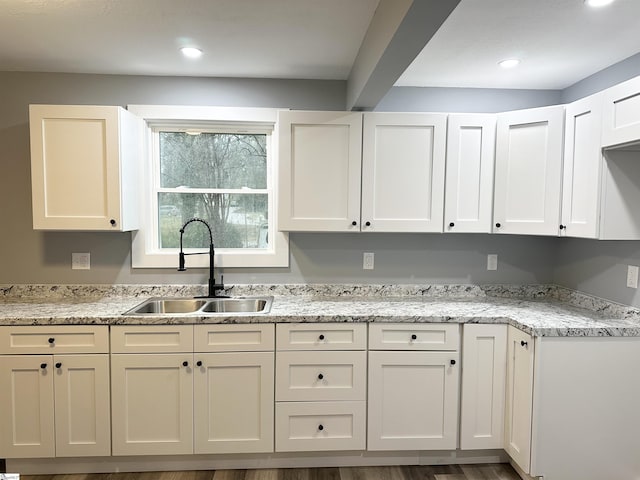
(213,160)
(237,221)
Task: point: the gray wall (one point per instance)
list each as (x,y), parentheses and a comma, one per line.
(44,257)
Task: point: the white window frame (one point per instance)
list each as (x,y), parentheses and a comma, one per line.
(145,252)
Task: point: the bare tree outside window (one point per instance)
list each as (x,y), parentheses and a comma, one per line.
(220,177)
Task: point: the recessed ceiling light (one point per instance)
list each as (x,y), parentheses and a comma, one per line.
(191,52)
(509,63)
(598,3)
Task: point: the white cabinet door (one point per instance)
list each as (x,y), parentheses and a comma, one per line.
(582,168)
(528,171)
(319,171)
(484,359)
(403,162)
(519,399)
(26,406)
(413,400)
(84,164)
(82,406)
(468,202)
(621,117)
(233,395)
(152,404)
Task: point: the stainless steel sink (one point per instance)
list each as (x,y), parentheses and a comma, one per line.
(204,307)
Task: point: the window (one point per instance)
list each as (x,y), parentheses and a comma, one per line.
(215,164)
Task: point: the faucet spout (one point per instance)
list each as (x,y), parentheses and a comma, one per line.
(213,287)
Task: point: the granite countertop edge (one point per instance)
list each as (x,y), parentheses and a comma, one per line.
(540,310)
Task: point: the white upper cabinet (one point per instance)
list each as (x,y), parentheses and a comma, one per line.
(84,167)
(528,171)
(582,168)
(319,171)
(621,117)
(469,183)
(403,164)
(325,157)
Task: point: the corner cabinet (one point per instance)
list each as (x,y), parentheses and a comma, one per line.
(528,171)
(54,392)
(84,167)
(621,118)
(336,175)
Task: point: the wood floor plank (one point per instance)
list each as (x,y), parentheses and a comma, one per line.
(262,474)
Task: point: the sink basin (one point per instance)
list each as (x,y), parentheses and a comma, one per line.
(202,307)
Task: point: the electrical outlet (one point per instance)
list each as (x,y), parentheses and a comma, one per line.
(80,261)
(632,276)
(367,260)
(492,261)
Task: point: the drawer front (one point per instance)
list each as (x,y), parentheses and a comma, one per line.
(414,336)
(315,376)
(151,339)
(36,340)
(320,426)
(321,336)
(251,337)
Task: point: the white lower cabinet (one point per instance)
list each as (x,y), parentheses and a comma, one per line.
(413,395)
(181,402)
(54,405)
(320,387)
(484,358)
(519,399)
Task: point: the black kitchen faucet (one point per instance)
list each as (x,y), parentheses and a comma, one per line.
(213,286)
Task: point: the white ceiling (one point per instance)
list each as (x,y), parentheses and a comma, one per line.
(240,38)
(559,41)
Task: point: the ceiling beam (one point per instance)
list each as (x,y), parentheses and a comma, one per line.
(398,32)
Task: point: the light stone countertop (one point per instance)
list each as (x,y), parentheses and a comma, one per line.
(542,310)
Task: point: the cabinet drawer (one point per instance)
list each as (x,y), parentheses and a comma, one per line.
(252,337)
(316,426)
(414,336)
(313,376)
(321,336)
(54,339)
(151,339)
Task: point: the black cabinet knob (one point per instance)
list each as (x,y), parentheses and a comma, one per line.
(498,225)
(199,363)
(320,376)
(523,343)
(58,365)
(451,224)
(354,223)
(414,337)
(185,364)
(112,222)
(368,224)
(51,340)
(43,366)
(562,227)
(320,427)
(453,362)
(321,337)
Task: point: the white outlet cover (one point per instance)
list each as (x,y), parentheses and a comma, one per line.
(80,261)
(632,276)
(368,260)
(492,261)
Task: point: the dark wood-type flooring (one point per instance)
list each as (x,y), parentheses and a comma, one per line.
(432,472)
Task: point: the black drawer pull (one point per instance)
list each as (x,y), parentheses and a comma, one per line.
(320,427)
(453,362)
(58,365)
(414,337)
(51,340)
(43,366)
(199,363)
(185,364)
(321,337)
(523,343)
(320,376)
